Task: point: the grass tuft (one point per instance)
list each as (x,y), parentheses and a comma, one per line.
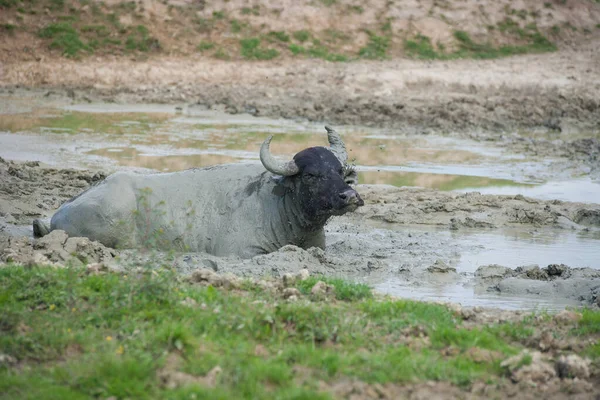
(203,46)
(250,49)
(343,290)
(376,48)
(65,38)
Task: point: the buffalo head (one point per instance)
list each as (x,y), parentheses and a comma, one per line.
(318,178)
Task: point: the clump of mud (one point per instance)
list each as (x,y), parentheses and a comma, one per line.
(555,280)
(471,210)
(55,249)
(28,190)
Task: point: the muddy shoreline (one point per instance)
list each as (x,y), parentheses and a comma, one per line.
(542,106)
(355,250)
(550,92)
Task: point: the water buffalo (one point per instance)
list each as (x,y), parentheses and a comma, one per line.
(232,209)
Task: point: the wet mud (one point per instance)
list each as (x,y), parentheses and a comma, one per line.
(360,246)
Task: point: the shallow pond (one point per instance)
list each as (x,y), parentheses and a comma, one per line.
(512,248)
(169,138)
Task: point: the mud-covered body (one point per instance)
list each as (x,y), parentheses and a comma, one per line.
(233,209)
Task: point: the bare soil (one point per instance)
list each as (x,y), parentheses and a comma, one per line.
(552,92)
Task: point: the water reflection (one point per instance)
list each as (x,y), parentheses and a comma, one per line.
(426,180)
(131,157)
(157,137)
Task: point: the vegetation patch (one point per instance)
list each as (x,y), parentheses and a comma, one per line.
(203,46)
(65,38)
(8,28)
(301,36)
(376,48)
(279,36)
(251,49)
(421,47)
(319,51)
(149,333)
(141,40)
(343,290)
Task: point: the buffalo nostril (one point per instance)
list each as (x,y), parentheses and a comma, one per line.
(349,196)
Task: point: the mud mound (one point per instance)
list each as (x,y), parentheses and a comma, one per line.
(557,280)
(29,191)
(56,248)
(471,210)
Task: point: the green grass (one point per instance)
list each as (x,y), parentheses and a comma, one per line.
(65,38)
(296,49)
(301,36)
(319,51)
(421,47)
(8,28)
(255,10)
(8,3)
(343,290)
(279,35)
(236,26)
(251,50)
(376,48)
(203,46)
(140,40)
(79,336)
(590,322)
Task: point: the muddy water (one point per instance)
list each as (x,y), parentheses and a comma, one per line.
(167,138)
(512,248)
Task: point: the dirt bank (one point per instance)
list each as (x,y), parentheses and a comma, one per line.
(554,92)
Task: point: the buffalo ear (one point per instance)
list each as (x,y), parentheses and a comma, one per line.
(351,177)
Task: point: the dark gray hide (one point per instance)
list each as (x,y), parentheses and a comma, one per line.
(233,209)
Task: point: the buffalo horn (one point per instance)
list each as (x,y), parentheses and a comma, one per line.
(271,164)
(337,145)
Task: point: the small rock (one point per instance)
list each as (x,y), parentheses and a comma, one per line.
(205,276)
(577,386)
(567,317)
(493,273)
(289,292)
(556,269)
(7,361)
(55,238)
(322,289)
(303,274)
(96,268)
(317,253)
(530,367)
(467,313)
(531,272)
(289,280)
(440,267)
(261,351)
(454,307)
(189,302)
(573,366)
(266,285)
(482,355)
(230,281)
